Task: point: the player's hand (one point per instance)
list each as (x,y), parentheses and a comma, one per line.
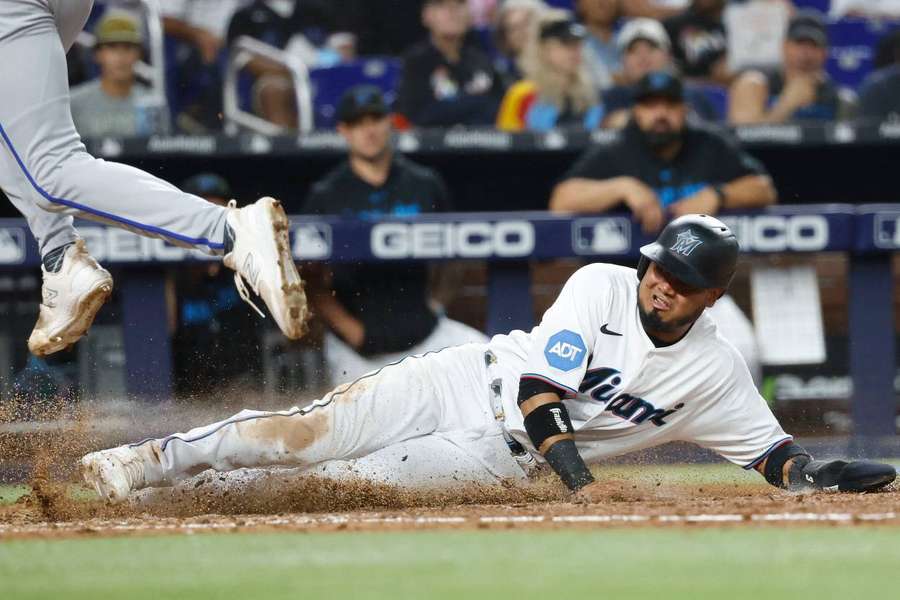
(605,491)
(644,204)
(704,202)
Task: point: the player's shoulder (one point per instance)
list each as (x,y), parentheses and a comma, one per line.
(604,275)
(414,170)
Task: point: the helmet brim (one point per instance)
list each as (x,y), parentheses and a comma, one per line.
(674,265)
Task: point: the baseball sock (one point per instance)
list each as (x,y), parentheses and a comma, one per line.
(229,238)
(53,260)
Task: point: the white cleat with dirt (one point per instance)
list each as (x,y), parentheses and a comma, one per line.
(71,298)
(114,473)
(261,256)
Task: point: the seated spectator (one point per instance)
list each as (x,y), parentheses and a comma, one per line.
(699,43)
(601,53)
(200,25)
(376,313)
(661,168)
(285,27)
(646,48)
(445,81)
(801,90)
(115,104)
(653,9)
(557,91)
(511,34)
(879,96)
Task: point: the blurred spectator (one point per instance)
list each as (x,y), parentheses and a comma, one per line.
(601,53)
(662,168)
(645,48)
(215,341)
(698,39)
(864,8)
(291,26)
(376,313)
(879,96)
(200,25)
(755,30)
(557,90)
(483,12)
(653,9)
(115,104)
(511,34)
(445,81)
(381,27)
(801,90)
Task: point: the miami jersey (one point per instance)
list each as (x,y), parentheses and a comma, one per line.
(622,392)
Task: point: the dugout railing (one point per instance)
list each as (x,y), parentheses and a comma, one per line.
(867,234)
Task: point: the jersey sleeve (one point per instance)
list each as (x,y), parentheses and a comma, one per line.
(596,163)
(562,343)
(738,425)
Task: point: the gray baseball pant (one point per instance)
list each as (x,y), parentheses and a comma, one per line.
(46,171)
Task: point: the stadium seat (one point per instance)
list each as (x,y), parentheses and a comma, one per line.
(853,48)
(329,84)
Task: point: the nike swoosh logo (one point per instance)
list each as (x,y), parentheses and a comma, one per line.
(603,329)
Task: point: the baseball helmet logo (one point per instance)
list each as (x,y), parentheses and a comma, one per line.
(685,243)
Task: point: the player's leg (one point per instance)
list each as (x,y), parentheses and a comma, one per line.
(74,285)
(406,400)
(37,133)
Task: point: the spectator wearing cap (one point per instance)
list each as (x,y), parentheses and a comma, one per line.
(203,303)
(879,96)
(115,104)
(376,313)
(801,90)
(557,91)
(699,42)
(645,48)
(601,53)
(662,167)
(446,81)
(513,23)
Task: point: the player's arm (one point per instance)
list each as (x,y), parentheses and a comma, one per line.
(550,429)
(791,467)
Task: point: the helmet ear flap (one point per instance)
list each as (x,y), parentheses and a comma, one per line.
(643,265)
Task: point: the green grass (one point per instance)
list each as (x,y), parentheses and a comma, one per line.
(660,564)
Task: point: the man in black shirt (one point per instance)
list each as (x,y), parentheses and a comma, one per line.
(699,43)
(377,313)
(446,81)
(662,167)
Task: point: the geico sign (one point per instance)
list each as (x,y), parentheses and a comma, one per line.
(777,233)
(117,245)
(452,240)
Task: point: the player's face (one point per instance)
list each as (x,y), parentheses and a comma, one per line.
(368,137)
(660,116)
(668,306)
(117,61)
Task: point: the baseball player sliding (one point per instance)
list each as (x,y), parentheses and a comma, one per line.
(622,360)
(49,176)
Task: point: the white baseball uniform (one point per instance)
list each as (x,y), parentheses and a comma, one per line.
(449,416)
(44,168)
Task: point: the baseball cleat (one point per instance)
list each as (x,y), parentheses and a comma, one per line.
(261,256)
(113,473)
(71,298)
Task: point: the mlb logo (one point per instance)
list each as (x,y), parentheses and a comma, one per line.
(887,231)
(12,246)
(601,235)
(312,241)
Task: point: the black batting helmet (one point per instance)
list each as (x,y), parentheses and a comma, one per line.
(697,249)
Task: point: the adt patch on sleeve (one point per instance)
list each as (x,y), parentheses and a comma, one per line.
(565,350)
